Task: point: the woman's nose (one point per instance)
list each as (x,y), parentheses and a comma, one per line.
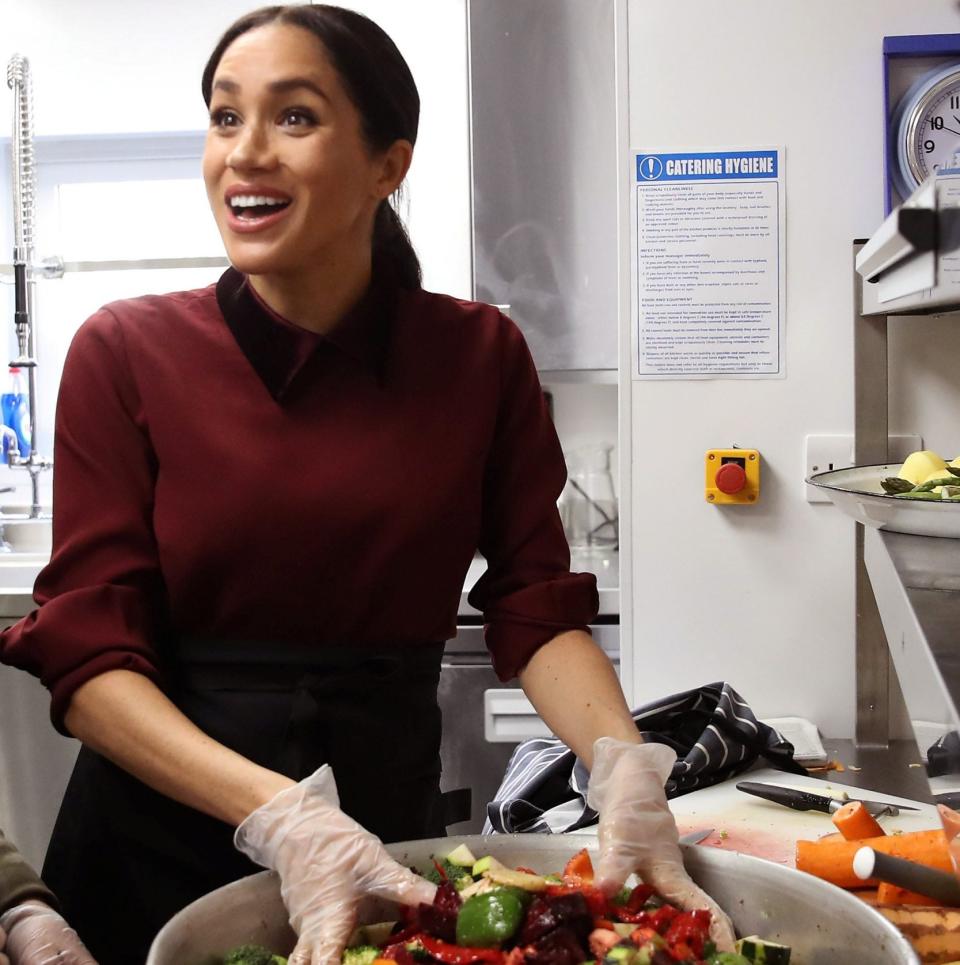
(252,150)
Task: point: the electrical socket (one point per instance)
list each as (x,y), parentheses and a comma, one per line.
(825,453)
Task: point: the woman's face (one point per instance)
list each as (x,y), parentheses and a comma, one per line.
(291,182)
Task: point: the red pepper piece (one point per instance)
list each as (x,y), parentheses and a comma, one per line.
(455,955)
(638,898)
(440,871)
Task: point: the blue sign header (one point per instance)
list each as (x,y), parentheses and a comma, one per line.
(709,166)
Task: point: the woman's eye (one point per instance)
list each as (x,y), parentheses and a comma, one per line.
(223,118)
(298,117)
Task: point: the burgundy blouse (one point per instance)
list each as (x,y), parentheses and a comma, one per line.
(222,473)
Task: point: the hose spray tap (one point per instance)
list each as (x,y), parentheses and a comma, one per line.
(24,198)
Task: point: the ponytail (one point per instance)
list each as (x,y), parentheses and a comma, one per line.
(393,251)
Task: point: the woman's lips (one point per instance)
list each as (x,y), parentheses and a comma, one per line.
(248,224)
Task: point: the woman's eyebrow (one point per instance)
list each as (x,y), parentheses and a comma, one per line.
(276,87)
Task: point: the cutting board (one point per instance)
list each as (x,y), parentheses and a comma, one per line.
(748,824)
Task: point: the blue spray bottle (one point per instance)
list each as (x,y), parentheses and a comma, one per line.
(15,406)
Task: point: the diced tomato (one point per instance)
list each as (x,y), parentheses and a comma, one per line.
(457,955)
(681,952)
(690,930)
(579,869)
(639,936)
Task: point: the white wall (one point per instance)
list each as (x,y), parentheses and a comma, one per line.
(763,596)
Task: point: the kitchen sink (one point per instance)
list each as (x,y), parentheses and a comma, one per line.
(18,571)
(25,535)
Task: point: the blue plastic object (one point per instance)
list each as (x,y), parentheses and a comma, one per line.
(15,407)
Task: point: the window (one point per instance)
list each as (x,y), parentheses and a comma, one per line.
(127,216)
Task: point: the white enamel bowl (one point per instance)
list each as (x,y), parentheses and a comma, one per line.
(823,924)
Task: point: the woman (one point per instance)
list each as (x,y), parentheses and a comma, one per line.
(32,932)
(268,493)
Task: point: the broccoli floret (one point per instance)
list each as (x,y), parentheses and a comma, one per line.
(453,872)
(361,955)
(253,955)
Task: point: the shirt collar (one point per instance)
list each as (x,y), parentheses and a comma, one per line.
(279,350)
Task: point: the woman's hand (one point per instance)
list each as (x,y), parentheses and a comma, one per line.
(38,935)
(326,863)
(637,830)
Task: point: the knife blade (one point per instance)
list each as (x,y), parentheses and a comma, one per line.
(808,801)
(695,837)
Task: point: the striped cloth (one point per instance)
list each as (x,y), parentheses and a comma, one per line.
(712,729)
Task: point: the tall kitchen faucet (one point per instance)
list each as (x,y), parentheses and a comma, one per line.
(24,197)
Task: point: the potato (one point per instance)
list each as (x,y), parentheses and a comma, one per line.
(922,465)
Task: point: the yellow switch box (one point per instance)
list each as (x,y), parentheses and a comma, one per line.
(732,476)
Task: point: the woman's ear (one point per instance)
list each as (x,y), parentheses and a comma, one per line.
(395,164)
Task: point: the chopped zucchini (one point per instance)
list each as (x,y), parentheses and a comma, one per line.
(761,952)
(622,954)
(481,865)
(462,857)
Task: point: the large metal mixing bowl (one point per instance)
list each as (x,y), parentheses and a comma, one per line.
(823,924)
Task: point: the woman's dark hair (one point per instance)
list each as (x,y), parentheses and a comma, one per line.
(381,87)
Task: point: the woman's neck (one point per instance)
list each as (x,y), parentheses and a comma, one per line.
(314,300)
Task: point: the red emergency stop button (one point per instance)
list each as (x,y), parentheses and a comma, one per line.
(731,478)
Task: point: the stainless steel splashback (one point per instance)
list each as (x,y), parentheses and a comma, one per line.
(544,173)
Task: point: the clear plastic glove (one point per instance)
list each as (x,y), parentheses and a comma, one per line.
(326,863)
(637,830)
(3,941)
(38,935)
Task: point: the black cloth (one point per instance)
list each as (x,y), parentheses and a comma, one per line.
(124,858)
(712,729)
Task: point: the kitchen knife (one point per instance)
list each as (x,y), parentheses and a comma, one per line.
(695,837)
(932,882)
(808,801)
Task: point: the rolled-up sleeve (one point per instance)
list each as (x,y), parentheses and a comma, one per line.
(528,594)
(97,599)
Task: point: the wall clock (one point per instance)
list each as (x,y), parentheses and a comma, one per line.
(925,128)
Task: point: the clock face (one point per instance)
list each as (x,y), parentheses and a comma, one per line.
(928,128)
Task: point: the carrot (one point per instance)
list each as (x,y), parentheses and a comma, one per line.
(855,822)
(833,860)
(888,894)
(579,869)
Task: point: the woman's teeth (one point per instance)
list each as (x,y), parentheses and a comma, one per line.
(255,205)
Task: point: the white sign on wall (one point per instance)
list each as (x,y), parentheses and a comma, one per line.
(708,264)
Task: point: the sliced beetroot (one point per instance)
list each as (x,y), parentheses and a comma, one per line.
(538,921)
(573,912)
(447,898)
(558,947)
(439,922)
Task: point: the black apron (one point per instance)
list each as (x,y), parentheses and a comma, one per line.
(123,858)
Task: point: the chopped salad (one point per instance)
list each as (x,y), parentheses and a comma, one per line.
(485,913)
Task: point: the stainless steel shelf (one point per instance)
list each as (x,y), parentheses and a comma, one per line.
(916,581)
